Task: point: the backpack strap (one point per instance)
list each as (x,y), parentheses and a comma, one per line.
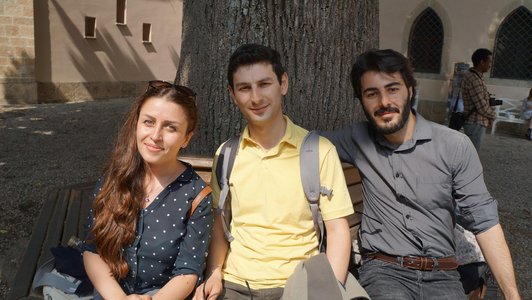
(224,166)
(309,162)
(310,178)
(199,197)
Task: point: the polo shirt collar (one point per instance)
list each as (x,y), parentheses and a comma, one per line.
(289,138)
(422,132)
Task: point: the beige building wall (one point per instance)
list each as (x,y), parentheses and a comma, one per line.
(468,25)
(115,62)
(17,52)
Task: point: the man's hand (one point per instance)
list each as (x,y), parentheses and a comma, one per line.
(211,289)
(497,255)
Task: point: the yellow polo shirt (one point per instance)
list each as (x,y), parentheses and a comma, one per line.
(272,222)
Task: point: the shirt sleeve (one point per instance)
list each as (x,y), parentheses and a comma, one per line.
(332,177)
(194,247)
(341,139)
(478,209)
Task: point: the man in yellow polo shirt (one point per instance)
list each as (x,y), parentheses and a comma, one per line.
(271,223)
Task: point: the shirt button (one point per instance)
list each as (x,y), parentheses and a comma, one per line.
(408,217)
(397,174)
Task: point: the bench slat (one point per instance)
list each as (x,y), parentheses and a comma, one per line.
(199,163)
(351,174)
(55,226)
(24,277)
(70,227)
(86,203)
(355,191)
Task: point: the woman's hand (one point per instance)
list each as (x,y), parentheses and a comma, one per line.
(137,297)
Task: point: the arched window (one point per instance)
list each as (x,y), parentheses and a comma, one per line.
(512,56)
(426,42)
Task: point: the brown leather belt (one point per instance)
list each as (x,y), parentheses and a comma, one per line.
(417,262)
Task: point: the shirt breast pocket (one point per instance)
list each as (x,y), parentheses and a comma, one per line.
(434,192)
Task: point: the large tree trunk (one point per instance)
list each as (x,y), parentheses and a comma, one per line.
(318,42)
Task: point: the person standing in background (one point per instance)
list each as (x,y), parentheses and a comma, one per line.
(476,97)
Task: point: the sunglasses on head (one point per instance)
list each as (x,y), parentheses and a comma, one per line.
(161,84)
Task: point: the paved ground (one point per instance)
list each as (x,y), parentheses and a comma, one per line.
(52,145)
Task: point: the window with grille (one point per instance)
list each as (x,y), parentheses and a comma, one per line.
(512,56)
(426,42)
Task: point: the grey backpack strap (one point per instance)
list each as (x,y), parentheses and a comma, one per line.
(44,276)
(224,166)
(310,178)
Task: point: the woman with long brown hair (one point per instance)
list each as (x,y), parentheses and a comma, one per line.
(146,236)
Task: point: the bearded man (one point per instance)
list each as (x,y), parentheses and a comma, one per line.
(416,175)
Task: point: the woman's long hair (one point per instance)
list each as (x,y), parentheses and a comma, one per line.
(117,205)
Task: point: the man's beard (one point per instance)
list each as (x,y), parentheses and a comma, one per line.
(390,128)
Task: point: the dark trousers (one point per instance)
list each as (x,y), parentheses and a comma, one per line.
(383,280)
(472,275)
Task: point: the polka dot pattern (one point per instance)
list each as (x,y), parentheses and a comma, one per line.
(167,243)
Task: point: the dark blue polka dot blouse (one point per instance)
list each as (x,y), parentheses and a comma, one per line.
(167,243)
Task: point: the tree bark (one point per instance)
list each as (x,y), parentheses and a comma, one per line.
(318,42)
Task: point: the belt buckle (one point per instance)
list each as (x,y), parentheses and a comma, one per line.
(435,263)
(424,263)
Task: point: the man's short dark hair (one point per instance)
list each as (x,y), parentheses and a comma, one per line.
(386,61)
(479,55)
(249,54)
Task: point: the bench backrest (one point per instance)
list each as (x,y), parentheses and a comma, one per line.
(510,108)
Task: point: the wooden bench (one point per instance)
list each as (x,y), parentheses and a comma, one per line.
(510,112)
(62,216)
(65,210)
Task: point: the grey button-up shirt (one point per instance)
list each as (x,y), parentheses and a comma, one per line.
(411,190)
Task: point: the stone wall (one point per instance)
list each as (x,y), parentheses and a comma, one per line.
(17,52)
(50,92)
